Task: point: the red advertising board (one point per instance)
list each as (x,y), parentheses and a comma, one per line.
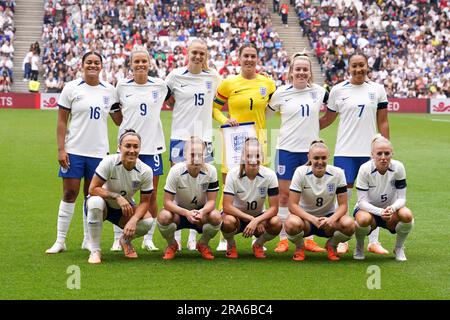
(10,100)
(408,105)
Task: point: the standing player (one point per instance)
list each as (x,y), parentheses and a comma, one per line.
(117,178)
(381,188)
(190,200)
(362,106)
(141,100)
(87,102)
(299,104)
(245,192)
(193,88)
(247,95)
(314,191)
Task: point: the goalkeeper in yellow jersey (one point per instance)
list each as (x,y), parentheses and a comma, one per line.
(247,96)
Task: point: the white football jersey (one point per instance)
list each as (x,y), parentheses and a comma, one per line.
(318,195)
(190,193)
(381,189)
(89,107)
(299,110)
(357,106)
(250,195)
(141,107)
(120,180)
(194,95)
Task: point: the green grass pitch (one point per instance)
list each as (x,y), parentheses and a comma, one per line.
(31,191)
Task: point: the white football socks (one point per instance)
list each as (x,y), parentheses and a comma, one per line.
(229,237)
(65,215)
(283,213)
(403,229)
(209,232)
(360,235)
(168,232)
(297,239)
(264,238)
(337,238)
(117,232)
(143,226)
(192,235)
(373,236)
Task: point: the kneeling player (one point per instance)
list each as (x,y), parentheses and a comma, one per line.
(190,200)
(381,186)
(245,191)
(117,178)
(312,203)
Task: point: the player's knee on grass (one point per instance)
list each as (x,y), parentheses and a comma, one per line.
(214,218)
(405,215)
(293,225)
(274,225)
(347,225)
(165,217)
(229,224)
(363,218)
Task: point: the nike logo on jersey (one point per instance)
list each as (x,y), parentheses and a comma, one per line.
(240,191)
(286,100)
(372,186)
(181,187)
(128,95)
(306,187)
(237,91)
(343,99)
(113,178)
(184,85)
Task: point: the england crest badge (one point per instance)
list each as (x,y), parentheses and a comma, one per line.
(238,140)
(263,91)
(208,85)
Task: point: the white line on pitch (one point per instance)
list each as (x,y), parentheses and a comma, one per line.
(440,120)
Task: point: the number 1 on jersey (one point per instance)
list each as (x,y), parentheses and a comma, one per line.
(251,104)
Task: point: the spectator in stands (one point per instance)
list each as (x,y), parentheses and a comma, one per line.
(27,64)
(51,84)
(35,64)
(5,81)
(284,10)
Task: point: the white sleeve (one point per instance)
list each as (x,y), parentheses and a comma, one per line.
(400,185)
(103,171)
(65,100)
(273,185)
(169,80)
(342,183)
(171,182)
(147,182)
(401,199)
(296,181)
(361,180)
(213,182)
(364,204)
(332,101)
(382,96)
(229,185)
(275,102)
(114,100)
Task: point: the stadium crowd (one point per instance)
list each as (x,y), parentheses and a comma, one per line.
(72,27)
(406,41)
(6,44)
